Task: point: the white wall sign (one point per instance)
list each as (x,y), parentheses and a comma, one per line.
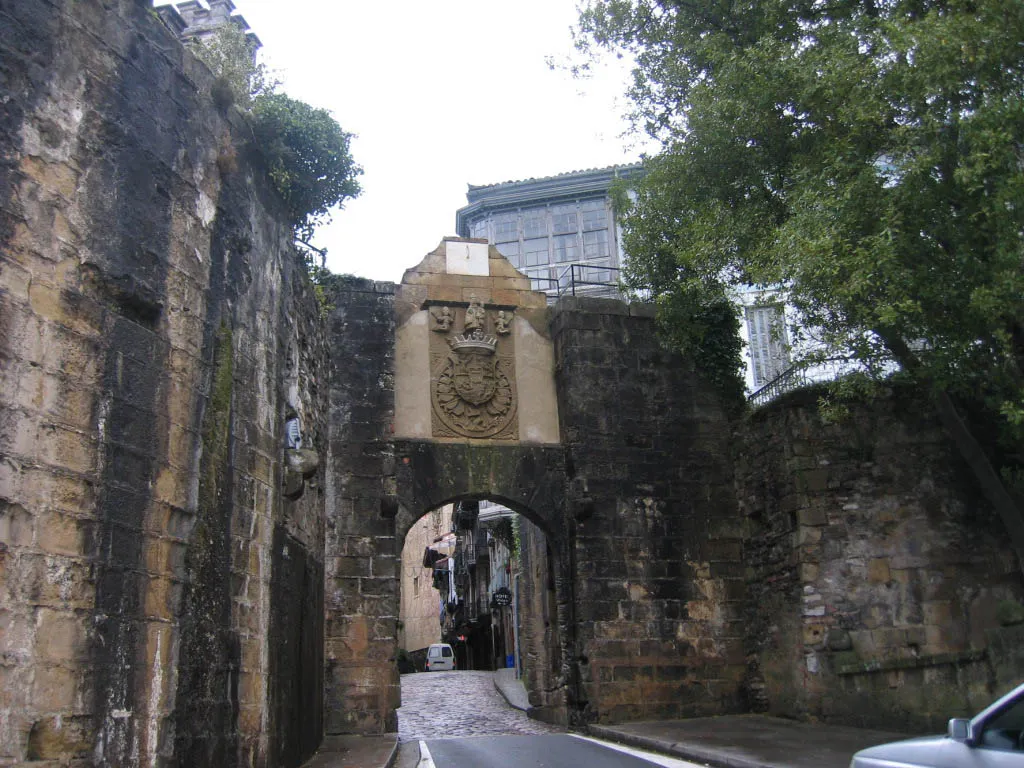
(467,258)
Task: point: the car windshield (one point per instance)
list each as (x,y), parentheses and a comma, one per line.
(1006,730)
(446,651)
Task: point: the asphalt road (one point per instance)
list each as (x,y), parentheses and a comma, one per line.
(461,721)
(534,751)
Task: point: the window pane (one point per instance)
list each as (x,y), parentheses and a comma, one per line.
(508,249)
(535,224)
(564,220)
(506,228)
(479,229)
(540,278)
(595,215)
(593,272)
(595,244)
(535,252)
(567,247)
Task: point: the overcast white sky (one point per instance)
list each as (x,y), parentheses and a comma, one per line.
(440,94)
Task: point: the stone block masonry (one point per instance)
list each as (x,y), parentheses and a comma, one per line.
(155,324)
(362,566)
(657,535)
(876,574)
(174,590)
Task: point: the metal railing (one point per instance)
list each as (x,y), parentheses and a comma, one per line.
(589,280)
(580,280)
(805,374)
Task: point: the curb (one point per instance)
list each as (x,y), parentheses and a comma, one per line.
(675,749)
(507,699)
(374,753)
(392,757)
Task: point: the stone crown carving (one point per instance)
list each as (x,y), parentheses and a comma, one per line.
(475,342)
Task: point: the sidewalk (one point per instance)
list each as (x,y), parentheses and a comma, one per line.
(356,752)
(512,689)
(748,741)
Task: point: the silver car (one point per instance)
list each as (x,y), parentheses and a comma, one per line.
(992,739)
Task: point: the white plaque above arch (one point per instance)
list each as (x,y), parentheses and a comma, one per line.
(464,258)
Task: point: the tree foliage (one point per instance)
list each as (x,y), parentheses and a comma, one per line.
(865,157)
(310,162)
(231,56)
(308,154)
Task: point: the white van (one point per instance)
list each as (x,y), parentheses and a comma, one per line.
(440,657)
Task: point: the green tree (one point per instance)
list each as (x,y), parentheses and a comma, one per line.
(231,56)
(863,157)
(308,154)
(310,162)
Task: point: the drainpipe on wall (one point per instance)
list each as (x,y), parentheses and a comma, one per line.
(515,628)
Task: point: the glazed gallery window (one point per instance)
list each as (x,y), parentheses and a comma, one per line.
(535,224)
(595,244)
(564,220)
(535,252)
(595,215)
(506,228)
(567,247)
(556,235)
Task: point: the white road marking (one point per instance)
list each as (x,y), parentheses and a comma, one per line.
(426,761)
(653,757)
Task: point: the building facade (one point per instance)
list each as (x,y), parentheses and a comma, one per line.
(192,22)
(418,617)
(559,230)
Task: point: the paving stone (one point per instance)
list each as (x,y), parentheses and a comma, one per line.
(439,705)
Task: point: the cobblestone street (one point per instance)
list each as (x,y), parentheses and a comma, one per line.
(439,705)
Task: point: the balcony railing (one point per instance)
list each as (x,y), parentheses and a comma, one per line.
(581,280)
(805,374)
(589,280)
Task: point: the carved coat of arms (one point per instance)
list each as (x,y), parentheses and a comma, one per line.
(473,391)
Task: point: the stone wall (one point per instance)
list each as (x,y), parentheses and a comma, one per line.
(656,533)
(876,571)
(419,609)
(539,637)
(362,565)
(149,294)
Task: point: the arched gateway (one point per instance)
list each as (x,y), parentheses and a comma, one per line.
(462,383)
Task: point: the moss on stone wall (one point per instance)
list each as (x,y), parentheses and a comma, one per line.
(210,650)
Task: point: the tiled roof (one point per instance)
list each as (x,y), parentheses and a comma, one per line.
(565,175)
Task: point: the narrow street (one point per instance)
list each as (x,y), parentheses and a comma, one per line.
(459,720)
(445,705)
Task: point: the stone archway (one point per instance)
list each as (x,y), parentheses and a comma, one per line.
(474,415)
(461,383)
(476,412)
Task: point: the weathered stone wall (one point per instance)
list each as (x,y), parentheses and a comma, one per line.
(657,540)
(539,635)
(362,563)
(876,570)
(419,609)
(148,295)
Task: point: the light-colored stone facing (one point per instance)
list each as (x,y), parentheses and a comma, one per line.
(53,413)
(535,381)
(412,377)
(419,610)
(502,286)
